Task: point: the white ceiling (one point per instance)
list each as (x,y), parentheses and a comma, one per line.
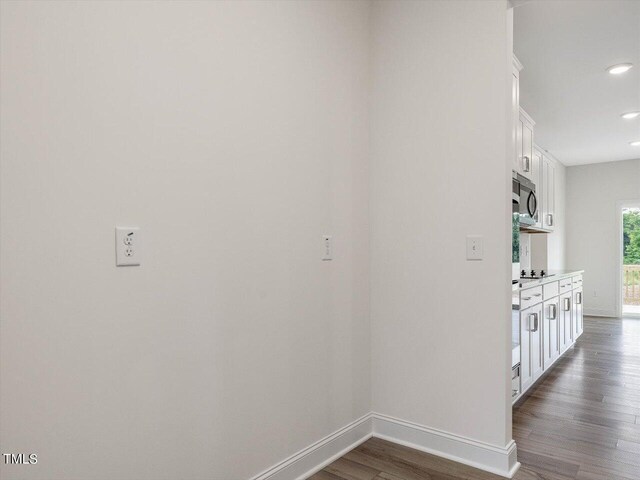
(565,46)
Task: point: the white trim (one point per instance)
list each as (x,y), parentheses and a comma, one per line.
(516,63)
(315,457)
(526,117)
(301,465)
(491,458)
(620,205)
(594,312)
(517,3)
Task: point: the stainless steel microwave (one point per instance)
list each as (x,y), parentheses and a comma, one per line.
(528,203)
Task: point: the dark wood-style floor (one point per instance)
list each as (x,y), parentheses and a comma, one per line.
(581,422)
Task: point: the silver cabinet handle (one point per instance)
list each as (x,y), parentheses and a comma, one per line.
(537,294)
(535,322)
(526,164)
(553,311)
(550,219)
(579,298)
(526,298)
(567,304)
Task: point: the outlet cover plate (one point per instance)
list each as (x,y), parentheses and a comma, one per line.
(128,246)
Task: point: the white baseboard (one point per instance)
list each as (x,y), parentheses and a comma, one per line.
(499,460)
(317,456)
(599,313)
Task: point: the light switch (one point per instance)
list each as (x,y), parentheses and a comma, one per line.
(127,246)
(475,247)
(327,247)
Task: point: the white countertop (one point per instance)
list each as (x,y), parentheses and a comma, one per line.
(552,276)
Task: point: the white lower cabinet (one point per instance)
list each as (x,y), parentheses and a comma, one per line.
(530,345)
(550,331)
(578,326)
(550,323)
(566,334)
(526,377)
(536,342)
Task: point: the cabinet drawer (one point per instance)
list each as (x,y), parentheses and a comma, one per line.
(550,290)
(576,281)
(566,285)
(530,296)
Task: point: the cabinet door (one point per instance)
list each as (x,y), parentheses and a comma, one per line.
(550,331)
(536,330)
(578,326)
(537,163)
(527,150)
(518,159)
(526,375)
(548,192)
(565,321)
(517,127)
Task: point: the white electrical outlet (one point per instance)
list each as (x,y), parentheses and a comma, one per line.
(127,246)
(327,248)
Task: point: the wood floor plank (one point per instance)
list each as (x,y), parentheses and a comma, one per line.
(632,447)
(388,476)
(348,470)
(324,475)
(546,463)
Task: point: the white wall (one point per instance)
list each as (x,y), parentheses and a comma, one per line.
(593,192)
(439,171)
(234,134)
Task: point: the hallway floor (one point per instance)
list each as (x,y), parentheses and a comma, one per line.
(582,421)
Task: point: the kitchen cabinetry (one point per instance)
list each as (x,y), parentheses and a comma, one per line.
(550,329)
(530,162)
(550,321)
(527,168)
(530,346)
(515,111)
(537,174)
(535,325)
(526,376)
(541,171)
(566,335)
(530,342)
(547,193)
(578,326)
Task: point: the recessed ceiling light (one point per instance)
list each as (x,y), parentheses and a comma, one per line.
(630,115)
(635,144)
(620,68)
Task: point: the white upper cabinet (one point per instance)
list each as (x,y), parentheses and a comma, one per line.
(548,185)
(536,177)
(529,161)
(545,189)
(516,137)
(526,156)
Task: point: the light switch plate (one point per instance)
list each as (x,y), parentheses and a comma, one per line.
(327,248)
(127,246)
(475,247)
